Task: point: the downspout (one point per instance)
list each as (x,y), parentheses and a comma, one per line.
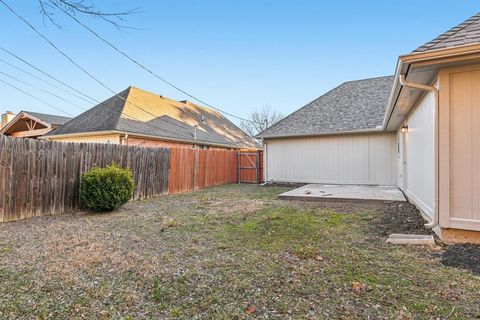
(403,81)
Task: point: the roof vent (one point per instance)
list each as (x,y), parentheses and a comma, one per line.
(195,132)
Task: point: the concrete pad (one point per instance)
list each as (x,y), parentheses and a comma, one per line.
(396,238)
(330,192)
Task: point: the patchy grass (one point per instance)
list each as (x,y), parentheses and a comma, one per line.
(222,253)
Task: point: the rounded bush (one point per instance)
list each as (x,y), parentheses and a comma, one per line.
(105,189)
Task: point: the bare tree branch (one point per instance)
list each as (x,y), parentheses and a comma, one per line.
(87,8)
(260,120)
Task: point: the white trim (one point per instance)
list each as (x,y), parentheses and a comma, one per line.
(359,183)
(306,135)
(19,117)
(424,209)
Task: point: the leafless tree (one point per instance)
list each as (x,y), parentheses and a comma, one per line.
(260,120)
(48,9)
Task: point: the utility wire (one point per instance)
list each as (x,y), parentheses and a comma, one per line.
(71,115)
(30,95)
(63,83)
(80,67)
(38,88)
(59,109)
(48,75)
(43,80)
(143,66)
(82,93)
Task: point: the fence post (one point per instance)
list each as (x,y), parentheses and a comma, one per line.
(257,166)
(238,166)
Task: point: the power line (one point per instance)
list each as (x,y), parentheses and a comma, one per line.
(81,68)
(43,80)
(59,109)
(143,66)
(91,76)
(38,88)
(46,74)
(84,94)
(30,95)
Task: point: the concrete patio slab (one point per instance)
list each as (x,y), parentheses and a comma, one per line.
(396,238)
(330,192)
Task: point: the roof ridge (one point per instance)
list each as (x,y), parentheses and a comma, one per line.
(365,79)
(351,106)
(46,114)
(450,32)
(124,104)
(317,99)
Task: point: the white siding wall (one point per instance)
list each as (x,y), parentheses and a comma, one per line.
(343,159)
(419,156)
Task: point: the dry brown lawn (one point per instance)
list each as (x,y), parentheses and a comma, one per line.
(230,252)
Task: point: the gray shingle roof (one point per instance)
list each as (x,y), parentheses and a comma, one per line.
(352,106)
(50,118)
(163,118)
(467,32)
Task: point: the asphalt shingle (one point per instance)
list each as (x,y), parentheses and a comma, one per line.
(146,113)
(352,106)
(50,118)
(467,32)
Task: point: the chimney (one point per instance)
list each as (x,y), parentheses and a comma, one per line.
(6,118)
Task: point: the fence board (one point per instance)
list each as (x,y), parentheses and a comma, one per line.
(251,167)
(194,169)
(41,177)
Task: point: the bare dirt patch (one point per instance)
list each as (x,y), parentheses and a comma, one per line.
(400,217)
(463,256)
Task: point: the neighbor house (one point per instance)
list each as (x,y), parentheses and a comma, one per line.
(418,130)
(138,117)
(27,124)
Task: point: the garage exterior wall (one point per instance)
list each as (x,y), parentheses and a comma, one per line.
(340,159)
(418,155)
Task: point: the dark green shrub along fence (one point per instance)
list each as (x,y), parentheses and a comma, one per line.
(40,177)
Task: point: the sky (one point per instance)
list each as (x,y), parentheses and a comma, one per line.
(235,55)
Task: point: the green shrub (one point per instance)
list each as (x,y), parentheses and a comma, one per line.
(105,189)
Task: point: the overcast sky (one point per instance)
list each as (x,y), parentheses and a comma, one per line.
(237,55)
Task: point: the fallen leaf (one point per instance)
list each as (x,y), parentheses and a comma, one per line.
(358,286)
(251,309)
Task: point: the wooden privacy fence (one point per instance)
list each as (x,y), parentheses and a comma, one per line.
(41,177)
(250,166)
(194,169)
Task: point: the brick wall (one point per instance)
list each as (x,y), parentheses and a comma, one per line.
(141,142)
(132,141)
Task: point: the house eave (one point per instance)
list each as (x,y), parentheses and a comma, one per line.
(427,63)
(139,135)
(307,135)
(20,116)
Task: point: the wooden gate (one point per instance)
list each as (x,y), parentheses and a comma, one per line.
(250,166)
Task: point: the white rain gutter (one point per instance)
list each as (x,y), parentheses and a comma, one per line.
(403,81)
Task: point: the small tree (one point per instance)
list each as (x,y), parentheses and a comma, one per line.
(105,189)
(261,119)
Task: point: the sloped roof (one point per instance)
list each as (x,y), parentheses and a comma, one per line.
(353,106)
(467,32)
(49,118)
(149,114)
